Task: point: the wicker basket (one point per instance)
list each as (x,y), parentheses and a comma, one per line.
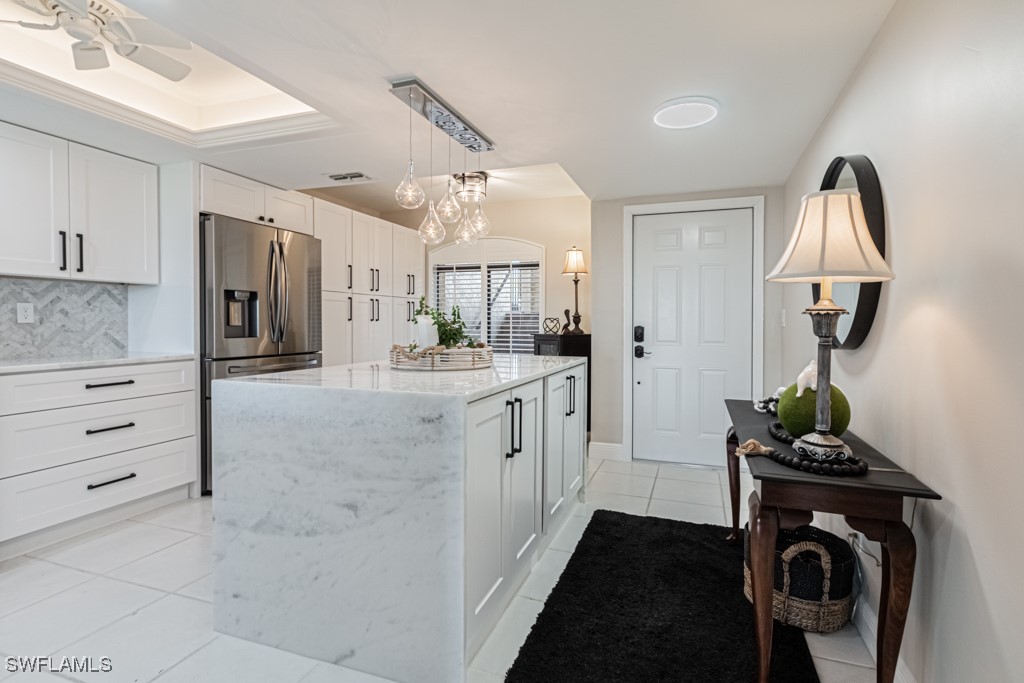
(440,358)
(813,579)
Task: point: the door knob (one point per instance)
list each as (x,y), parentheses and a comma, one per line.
(639,352)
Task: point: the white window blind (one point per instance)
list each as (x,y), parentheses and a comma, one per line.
(500,302)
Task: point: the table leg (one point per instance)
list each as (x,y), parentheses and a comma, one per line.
(764,529)
(733,465)
(899,554)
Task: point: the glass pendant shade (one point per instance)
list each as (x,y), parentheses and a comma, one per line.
(472,186)
(431,230)
(409,193)
(448,209)
(479,221)
(465,233)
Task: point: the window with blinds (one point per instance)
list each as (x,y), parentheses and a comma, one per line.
(500,302)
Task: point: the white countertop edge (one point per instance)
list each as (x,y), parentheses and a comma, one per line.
(23,366)
(312,379)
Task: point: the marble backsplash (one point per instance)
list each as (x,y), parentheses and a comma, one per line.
(71,319)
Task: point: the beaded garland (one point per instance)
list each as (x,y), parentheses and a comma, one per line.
(850,467)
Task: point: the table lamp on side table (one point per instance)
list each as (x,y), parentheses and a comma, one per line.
(574,265)
(830,243)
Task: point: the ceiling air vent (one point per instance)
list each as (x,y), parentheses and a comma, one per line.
(351,178)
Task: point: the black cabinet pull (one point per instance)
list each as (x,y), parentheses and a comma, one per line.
(413,291)
(350,309)
(63,249)
(90,432)
(112,481)
(371,279)
(270,220)
(568,395)
(377,271)
(261,218)
(350,276)
(572,396)
(511,432)
(110,384)
(519,448)
(81,252)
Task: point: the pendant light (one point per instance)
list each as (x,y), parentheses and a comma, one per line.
(409,193)
(431,230)
(448,210)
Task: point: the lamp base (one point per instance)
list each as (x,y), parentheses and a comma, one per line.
(822,447)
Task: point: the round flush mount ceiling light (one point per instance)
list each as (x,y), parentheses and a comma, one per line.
(685,112)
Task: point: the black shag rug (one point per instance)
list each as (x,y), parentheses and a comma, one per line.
(649,599)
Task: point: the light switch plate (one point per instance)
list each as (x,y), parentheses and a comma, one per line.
(26,313)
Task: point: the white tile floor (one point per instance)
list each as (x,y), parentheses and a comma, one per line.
(140,592)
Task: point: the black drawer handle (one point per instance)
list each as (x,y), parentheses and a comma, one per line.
(109,384)
(90,432)
(90,487)
(63,249)
(511,452)
(519,448)
(81,252)
(350,276)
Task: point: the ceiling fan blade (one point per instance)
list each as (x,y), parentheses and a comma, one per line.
(89,55)
(157,62)
(147,32)
(77,7)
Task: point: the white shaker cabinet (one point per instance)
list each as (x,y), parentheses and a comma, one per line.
(404,329)
(566,419)
(115,225)
(504,443)
(232,195)
(382,255)
(33,203)
(333,227)
(371,255)
(371,327)
(338,312)
(408,256)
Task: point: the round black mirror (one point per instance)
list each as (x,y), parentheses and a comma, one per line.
(861,299)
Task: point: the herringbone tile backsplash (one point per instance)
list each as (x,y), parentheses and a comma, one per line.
(72,319)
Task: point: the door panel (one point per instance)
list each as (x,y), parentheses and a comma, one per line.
(302,303)
(33,203)
(523,472)
(692,291)
(555,407)
(382,257)
(404,330)
(228,194)
(289,210)
(338,314)
(362,253)
(381,330)
(575,432)
(363,309)
(333,225)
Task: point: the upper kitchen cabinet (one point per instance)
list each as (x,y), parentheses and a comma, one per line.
(407,259)
(33,203)
(371,255)
(232,195)
(115,234)
(333,227)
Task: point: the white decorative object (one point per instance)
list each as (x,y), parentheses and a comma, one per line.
(808,379)
(426,331)
(440,358)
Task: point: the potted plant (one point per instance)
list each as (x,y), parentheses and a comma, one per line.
(438,329)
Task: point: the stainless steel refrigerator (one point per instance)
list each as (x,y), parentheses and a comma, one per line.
(260,306)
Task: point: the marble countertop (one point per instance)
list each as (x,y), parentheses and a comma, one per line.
(18,366)
(507,372)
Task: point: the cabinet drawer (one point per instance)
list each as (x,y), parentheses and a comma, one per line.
(34,501)
(35,441)
(49,390)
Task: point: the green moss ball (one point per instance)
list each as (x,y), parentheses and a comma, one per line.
(797,414)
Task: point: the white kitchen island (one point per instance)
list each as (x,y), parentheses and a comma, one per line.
(383,519)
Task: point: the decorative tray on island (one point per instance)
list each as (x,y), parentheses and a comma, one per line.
(441,358)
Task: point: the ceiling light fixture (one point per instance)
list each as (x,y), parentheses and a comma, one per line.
(685,112)
(472,186)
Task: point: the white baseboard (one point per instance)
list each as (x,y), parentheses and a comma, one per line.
(866,622)
(607,451)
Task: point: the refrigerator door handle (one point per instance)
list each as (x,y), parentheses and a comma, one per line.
(286,291)
(236,369)
(272,292)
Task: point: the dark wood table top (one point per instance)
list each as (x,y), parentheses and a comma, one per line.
(883,474)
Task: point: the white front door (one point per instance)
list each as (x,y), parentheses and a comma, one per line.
(693,299)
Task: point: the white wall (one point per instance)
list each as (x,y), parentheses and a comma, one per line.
(938,105)
(162,318)
(608,284)
(555,224)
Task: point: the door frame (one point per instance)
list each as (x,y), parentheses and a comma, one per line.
(756,203)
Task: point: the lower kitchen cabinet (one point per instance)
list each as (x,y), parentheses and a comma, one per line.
(404,329)
(371,327)
(565,406)
(505,447)
(338,312)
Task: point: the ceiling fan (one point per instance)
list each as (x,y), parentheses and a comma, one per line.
(88,20)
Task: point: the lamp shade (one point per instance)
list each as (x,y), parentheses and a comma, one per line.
(831,240)
(574,262)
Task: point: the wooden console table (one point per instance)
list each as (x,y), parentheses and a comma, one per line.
(871,504)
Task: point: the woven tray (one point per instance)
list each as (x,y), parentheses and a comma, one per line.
(438,359)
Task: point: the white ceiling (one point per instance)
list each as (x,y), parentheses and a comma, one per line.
(214,95)
(572,82)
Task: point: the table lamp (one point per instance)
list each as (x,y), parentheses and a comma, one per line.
(574,265)
(830,243)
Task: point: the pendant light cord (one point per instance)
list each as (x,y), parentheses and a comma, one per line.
(410,125)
